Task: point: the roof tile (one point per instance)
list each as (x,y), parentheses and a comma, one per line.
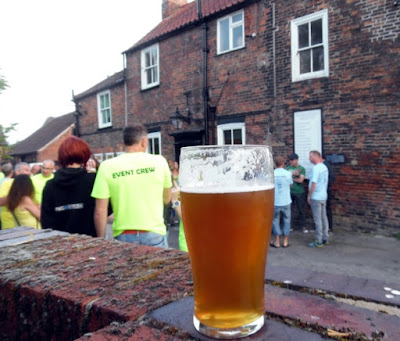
(50,130)
(187,15)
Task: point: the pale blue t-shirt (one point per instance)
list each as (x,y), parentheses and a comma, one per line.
(283,180)
(319,175)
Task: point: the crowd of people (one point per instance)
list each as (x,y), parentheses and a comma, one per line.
(138,193)
(290,196)
(130,190)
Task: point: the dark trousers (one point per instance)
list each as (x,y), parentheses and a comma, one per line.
(329,210)
(299,203)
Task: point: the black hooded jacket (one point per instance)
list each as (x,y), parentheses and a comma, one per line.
(67,204)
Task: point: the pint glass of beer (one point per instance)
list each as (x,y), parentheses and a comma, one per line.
(227,196)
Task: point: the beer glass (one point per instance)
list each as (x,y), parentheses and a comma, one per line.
(227,196)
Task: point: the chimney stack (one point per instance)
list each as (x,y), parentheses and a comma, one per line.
(169,7)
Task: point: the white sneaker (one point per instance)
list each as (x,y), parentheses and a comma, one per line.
(305,231)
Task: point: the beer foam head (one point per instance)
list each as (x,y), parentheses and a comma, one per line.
(226,168)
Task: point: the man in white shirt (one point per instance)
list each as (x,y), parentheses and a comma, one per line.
(282,205)
(317,196)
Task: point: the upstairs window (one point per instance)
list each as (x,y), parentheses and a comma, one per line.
(230,33)
(150,67)
(310,53)
(104,109)
(154,145)
(231,133)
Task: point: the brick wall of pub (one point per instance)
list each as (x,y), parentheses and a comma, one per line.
(360,100)
(180,72)
(360,103)
(108,139)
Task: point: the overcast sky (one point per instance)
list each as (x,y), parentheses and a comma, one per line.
(50,47)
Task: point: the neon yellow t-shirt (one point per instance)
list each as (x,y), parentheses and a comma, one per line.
(135,184)
(39,181)
(7,219)
(25,218)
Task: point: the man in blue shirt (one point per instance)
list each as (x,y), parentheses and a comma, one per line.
(317,196)
(283,182)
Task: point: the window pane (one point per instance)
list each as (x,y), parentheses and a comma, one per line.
(227,137)
(154,74)
(237,136)
(154,57)
(147,59)
(318,58)
(148,76)
(236,18)
(237,37)
(157,146)
(224,34)
(316,32)
(303,36)
(305,61)
(151,148)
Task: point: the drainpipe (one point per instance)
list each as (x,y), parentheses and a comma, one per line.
(205,51)
(77,113)
(125,90)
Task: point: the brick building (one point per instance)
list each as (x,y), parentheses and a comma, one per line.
(299,75)
(43,144)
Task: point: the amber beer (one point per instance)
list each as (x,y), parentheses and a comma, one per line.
(228,236)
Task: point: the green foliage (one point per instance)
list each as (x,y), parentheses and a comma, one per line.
(5,148)
(3,84)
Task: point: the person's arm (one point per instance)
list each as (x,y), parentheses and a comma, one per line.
(167,195)
(299,179)
(311,190)
(100,217)
(28,204)
(175,197)
(3,201)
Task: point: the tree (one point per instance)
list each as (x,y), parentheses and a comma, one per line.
(3,84)
(5,149)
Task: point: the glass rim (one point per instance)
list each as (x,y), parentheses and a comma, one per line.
(211,146)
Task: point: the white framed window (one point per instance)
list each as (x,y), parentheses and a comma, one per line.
(109,155)
(231,133)
(99,157)
(310,46)
(154,145)
(230,33)
(150,66)
(104,109)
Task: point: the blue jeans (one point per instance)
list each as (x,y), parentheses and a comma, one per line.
(318,208)
(285,211)
(148,238)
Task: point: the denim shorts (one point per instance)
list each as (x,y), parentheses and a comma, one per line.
(147,238)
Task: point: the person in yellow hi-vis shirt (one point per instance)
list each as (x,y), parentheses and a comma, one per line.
(39,180)
(20,202)
(7,220)
(138,185)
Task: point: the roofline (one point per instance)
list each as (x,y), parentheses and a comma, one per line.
(194,23)
(105,87)
(72,125)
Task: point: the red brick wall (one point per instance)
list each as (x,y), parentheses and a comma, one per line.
(50,152)
(181,71)
(106,139)
(359,100)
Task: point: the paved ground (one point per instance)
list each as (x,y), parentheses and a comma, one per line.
(349,253)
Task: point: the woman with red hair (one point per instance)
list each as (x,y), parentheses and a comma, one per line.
(67,204)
